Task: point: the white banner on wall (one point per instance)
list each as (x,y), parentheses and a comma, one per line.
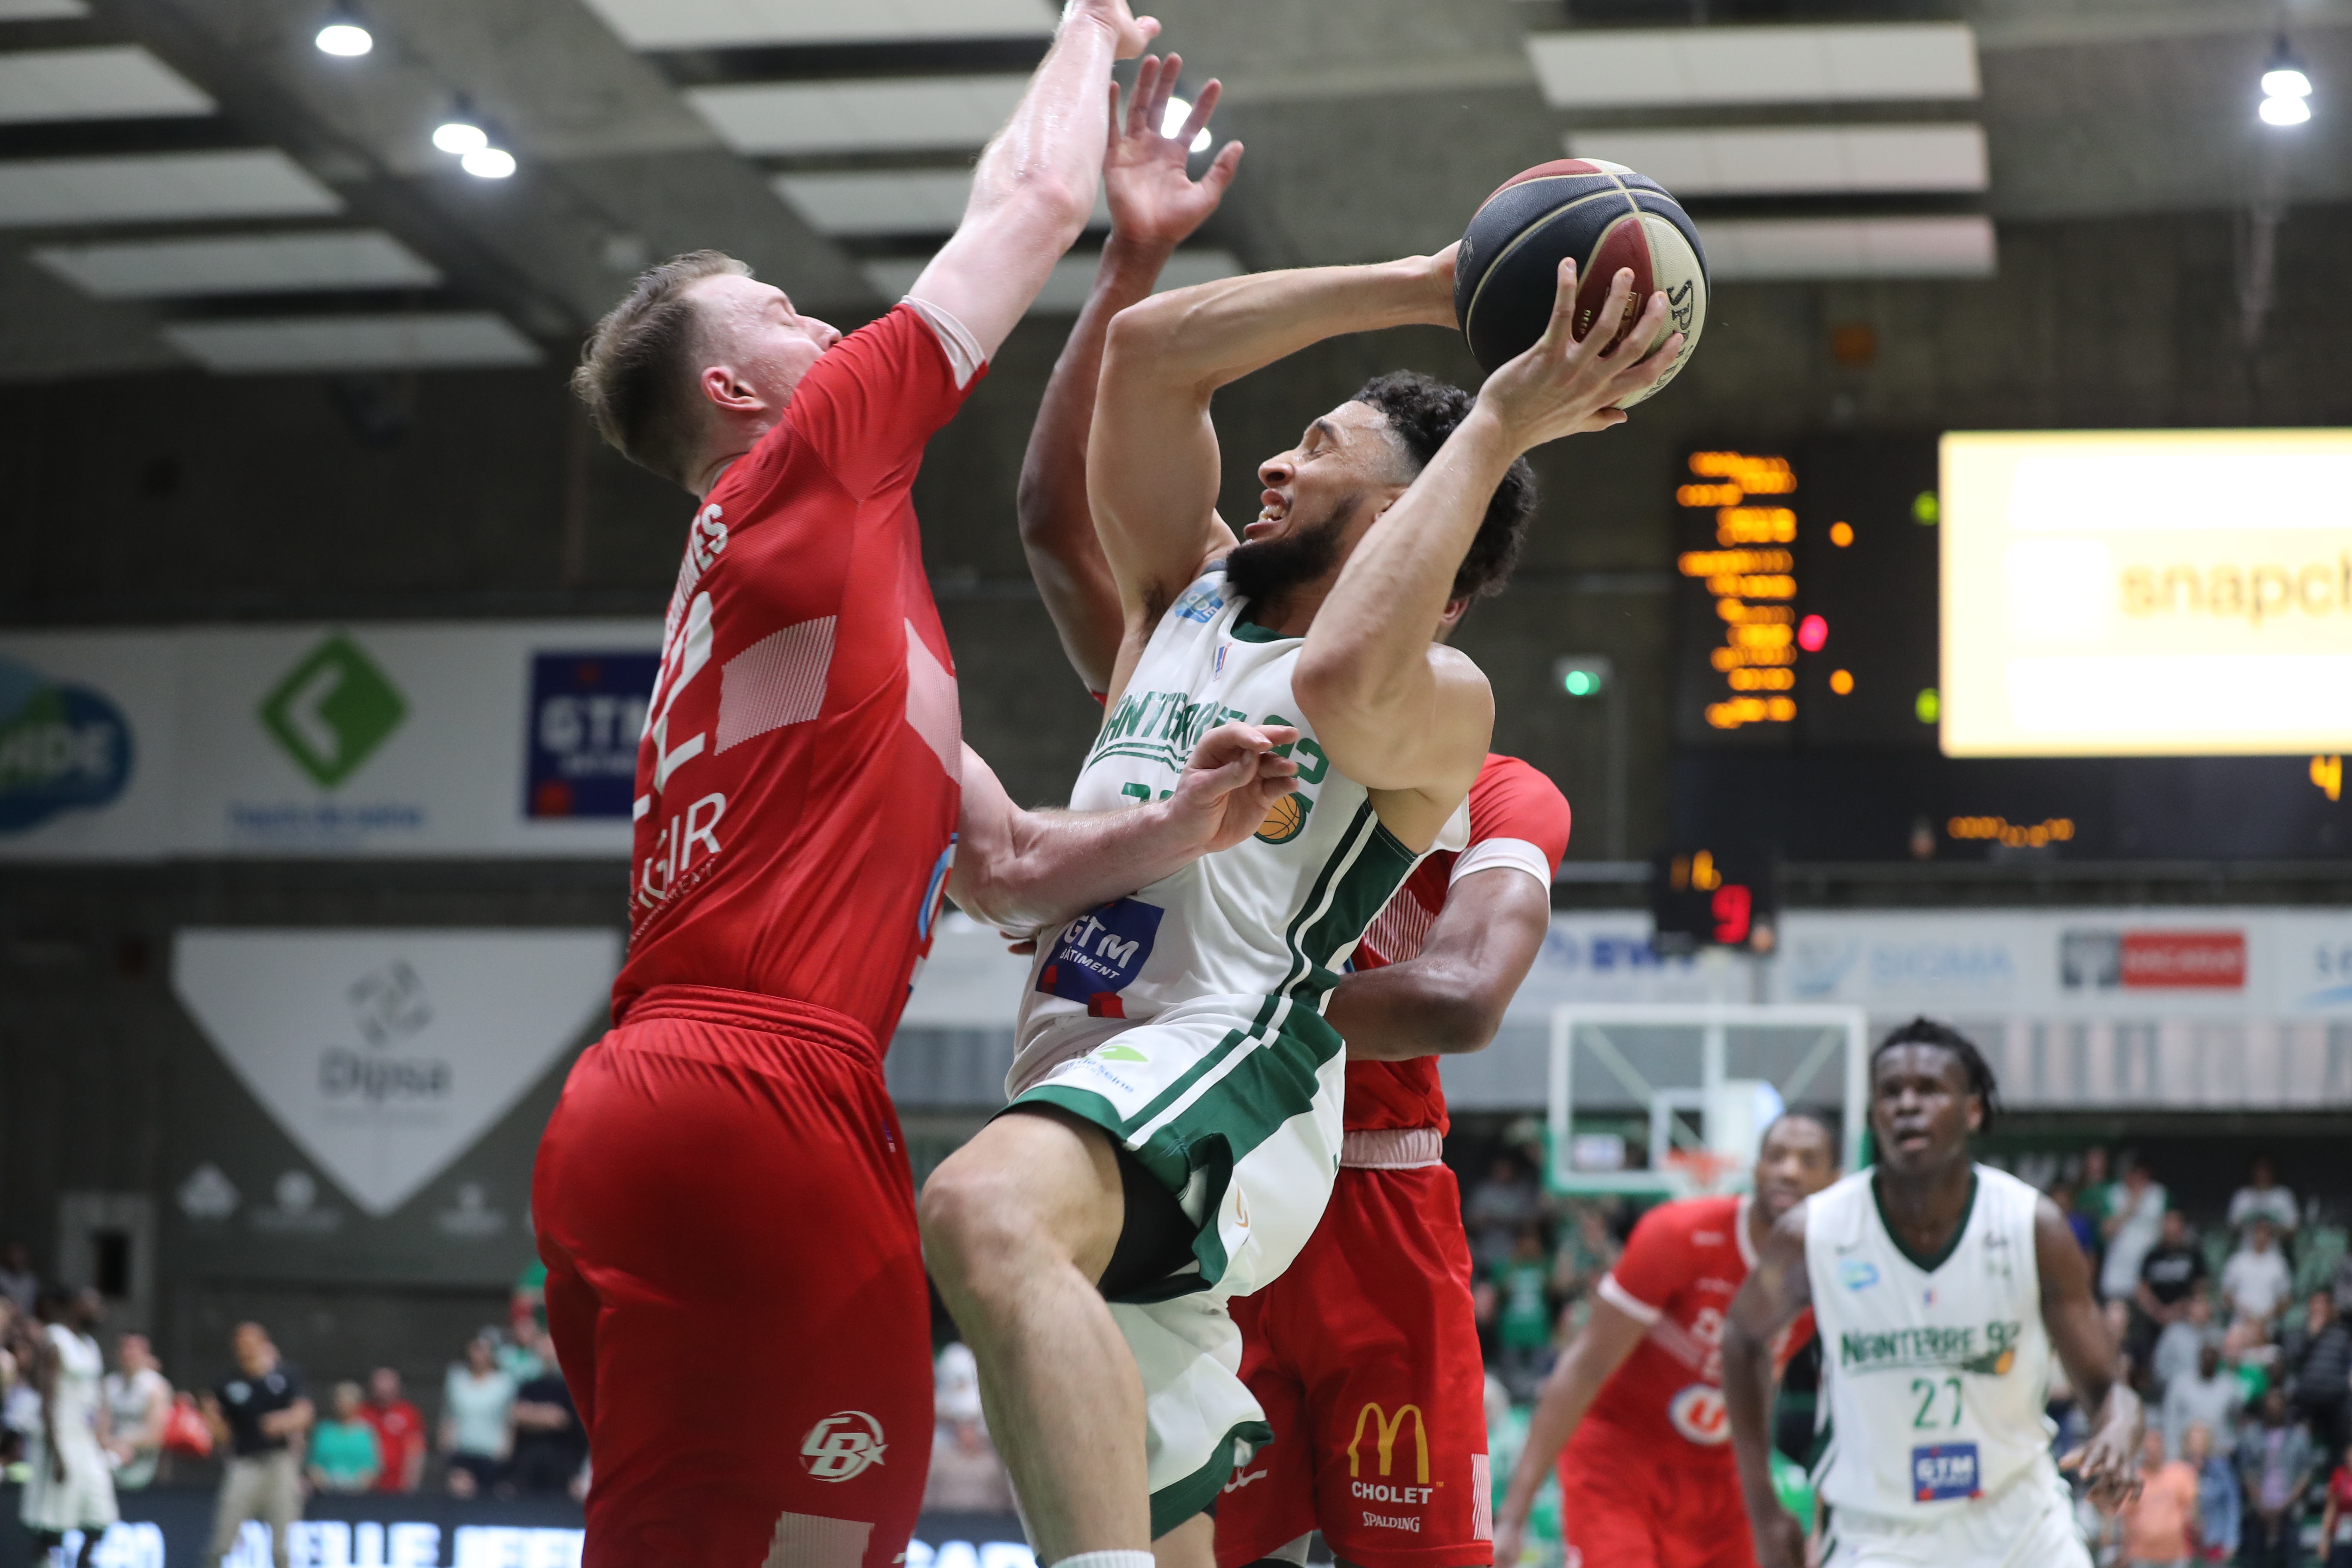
(512,738)
(2083,962)
(385,1054)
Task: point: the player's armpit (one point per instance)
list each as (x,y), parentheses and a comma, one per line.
(1450,996)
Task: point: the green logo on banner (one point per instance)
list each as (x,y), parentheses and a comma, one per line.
(332,711)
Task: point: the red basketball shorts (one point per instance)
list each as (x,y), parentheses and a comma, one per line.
(735,1289)
(1365,1355)
(1623,1505)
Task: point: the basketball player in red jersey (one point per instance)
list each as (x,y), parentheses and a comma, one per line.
(1373,1324)
(1647,1480)
(721,1198)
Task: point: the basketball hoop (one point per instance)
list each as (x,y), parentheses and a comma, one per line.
(1704,1169)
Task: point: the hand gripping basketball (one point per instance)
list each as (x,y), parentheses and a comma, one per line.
(1564,387)
(1234,780)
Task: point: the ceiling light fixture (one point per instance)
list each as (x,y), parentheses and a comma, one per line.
(342,34)
(460,133)
(1172,125)
(487,163)
(2286,88)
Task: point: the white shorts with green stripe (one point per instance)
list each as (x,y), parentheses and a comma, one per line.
(1233,1103)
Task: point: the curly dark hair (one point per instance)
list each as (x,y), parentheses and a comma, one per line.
(1977,1071)
(1422,412)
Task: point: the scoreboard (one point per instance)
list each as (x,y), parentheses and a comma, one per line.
(1810,713)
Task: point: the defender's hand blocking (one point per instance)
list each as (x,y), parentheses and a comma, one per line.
(1153,200)
(1564,387)
(1232,782)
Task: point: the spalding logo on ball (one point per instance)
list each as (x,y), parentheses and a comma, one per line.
(1507,274)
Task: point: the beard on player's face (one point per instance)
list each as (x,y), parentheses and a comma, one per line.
(1264,571)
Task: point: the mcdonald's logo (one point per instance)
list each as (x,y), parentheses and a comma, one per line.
(1384,1435)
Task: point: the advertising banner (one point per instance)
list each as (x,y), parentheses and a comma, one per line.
(2148,593)
(382,1058)
(513,738)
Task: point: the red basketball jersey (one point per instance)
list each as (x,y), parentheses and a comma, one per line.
(1683,1265)
(1518,817)
(799,778)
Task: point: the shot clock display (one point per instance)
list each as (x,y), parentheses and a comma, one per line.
(1700,898)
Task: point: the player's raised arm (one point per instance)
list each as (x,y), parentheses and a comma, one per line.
(1778,1288)
(2108,1459)
(1036,182)
(1388,712)
(1022,869)
(1155,205)
(1152,456)
(1450,996)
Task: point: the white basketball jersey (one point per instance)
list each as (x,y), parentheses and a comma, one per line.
(1260,930)
(1934,1379)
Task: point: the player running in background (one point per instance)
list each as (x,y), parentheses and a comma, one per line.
(725,1169)
(1939,1288)
(1339,1354)
(1634,1411)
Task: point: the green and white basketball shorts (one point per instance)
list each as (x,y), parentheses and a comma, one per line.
(1237,1112)
(2029,1523)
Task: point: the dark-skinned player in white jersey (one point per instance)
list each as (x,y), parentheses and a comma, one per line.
(1940,1289)
(1340,1355)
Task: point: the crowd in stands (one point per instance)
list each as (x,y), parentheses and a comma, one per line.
(506,1425)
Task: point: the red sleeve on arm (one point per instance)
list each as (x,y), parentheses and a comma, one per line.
(1513,799)
(1656,1264)
(868,404)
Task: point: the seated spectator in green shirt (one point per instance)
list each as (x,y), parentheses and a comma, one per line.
(344,1456)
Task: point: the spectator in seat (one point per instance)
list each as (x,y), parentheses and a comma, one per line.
(2067,1198)
(2275,1461)
(344,1456)
(138,1402)
(2158,1526)
(549,1443)
(966,1476)
(2169,1275)
(258,1414)
(2335,1516)
(2261,1197)
(1523,1319)
(2220,1505)
(18,1283)
(2256,1281)
(399,1432)
(2176,1347)
(2210,1397)
(475,1401)
(1497,1206)
(2316,1358)
(2134,1223)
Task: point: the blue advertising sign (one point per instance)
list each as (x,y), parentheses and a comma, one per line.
(587,711)
(61,746)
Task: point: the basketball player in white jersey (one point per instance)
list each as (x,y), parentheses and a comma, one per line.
(1176,1128)
(1939,1288)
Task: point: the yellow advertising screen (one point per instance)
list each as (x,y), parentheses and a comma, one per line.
(2150,593)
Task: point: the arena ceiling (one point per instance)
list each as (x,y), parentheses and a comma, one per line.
(195,182)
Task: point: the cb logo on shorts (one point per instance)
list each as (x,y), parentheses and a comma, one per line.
(1698,1415)
(843,1447)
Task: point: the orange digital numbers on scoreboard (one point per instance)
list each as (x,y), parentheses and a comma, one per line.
(1751,575)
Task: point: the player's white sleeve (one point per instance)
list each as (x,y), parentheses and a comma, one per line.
(964,355)
(1488,853)
(1626,1301)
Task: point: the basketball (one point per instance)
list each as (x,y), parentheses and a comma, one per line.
(1605,216)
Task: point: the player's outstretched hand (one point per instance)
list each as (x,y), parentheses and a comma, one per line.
(1563,387)
(2110,1473)
(1780,1538)
(1232,782)
(1153,200)
(1133,34)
